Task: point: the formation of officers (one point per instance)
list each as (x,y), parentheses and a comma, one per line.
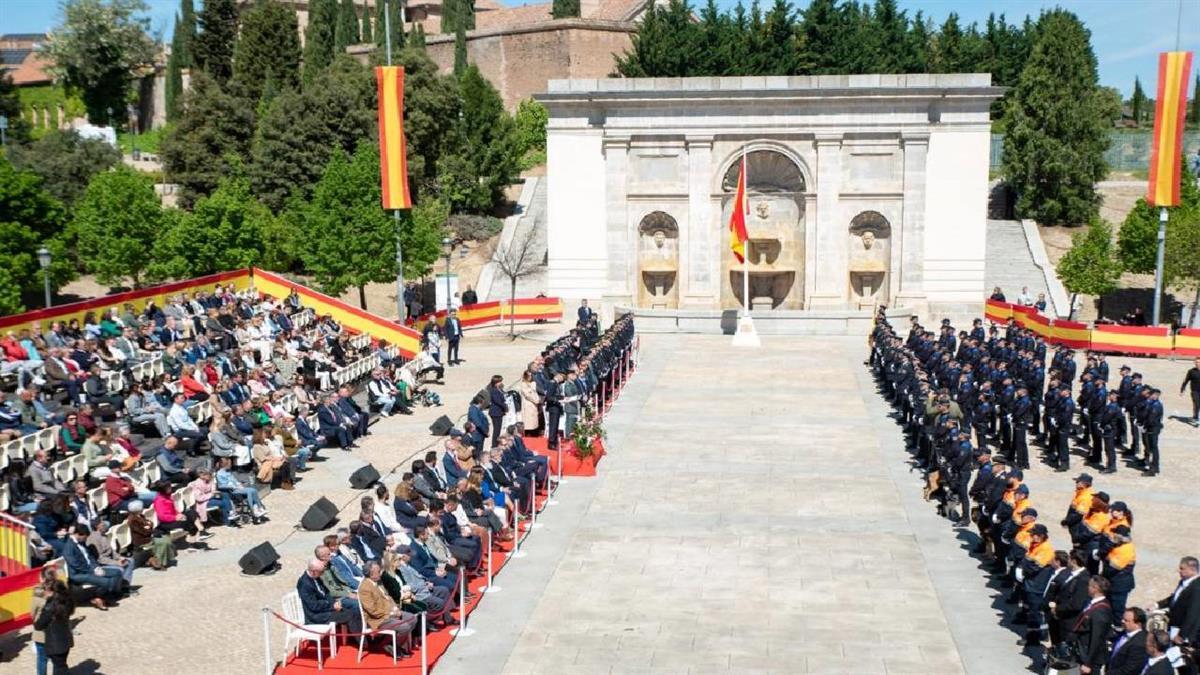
(994,388)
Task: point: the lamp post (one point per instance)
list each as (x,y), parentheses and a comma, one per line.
(133,126)
(448,249)
(3,130)
(43,256)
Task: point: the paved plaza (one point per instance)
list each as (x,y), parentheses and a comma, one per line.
(756,513)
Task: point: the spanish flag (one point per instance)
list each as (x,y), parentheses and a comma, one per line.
(1169,111)
(737,219)
(393,165)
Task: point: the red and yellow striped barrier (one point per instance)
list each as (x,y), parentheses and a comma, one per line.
(496,312)
(407,340)
(1187,342)
(16,597)
(1133,339)
(1073,334)
(161,294)
(996,311)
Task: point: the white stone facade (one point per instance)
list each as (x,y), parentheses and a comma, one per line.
(905,156)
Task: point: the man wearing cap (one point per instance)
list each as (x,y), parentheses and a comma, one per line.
(1109,422)
(1021,411)
(1124,397)
(1119,557)
(1081,501)
(1064,412)
(1153,424)
(1033,573)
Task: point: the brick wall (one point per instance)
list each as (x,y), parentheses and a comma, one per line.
(519,60)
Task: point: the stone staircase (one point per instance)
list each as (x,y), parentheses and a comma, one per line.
(534,219)
(1010,264)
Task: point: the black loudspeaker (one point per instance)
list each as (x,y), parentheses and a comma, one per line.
(729,320)
(260,559)
(320,515)
(441,426)
(364,477)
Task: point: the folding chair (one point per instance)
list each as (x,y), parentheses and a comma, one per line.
(293,611)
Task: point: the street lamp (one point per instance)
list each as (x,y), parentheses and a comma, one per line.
(133,116)
(43,256)
(448,248)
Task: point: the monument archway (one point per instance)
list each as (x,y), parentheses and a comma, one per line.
(776,189)
(658,261)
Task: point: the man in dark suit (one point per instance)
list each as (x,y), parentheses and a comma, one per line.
(319,604)
(478,417)
(1129,649)
(84,568)
(1157,644)
(332,425)
(1183,605)
(1092,626)
(1070,598)
(454,333)
(585,313)
(429,567)
(353,413)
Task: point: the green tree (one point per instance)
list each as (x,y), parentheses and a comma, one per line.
(531,120)
(948,49)
(213,48)
(300,131)
(226,230)
(1137,239)
(268,50)
(457,13)
(10,106)
(828,32)
(213,133)
(345,33)
(1181,262)
(417,39)
(318,38)
(1137,102)
(1090,266)
(117,220)
(431,110)
(460,51)
(96,50)
(665,44)
(367,35)
(65,162)
(780,52)
(30,218)
(564,9)
(917,45)
(1196,102)
(349,241)
(486,156)
(185,33)
(173,86)
(891,26)
(1057,125)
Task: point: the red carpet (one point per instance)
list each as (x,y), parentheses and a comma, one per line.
(375,660)
(573,465)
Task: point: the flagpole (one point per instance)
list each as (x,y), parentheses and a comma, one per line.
(746,244)
(387,29)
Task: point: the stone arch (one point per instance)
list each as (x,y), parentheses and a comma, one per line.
(658,220)
(869,243)
(873,221)
(658,261)
(778,160)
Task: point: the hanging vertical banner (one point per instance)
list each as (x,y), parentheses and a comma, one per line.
(1170,107)
(393,164)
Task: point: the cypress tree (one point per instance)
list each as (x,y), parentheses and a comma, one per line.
(824,33)
(917,45)
(213,48)
(173,87)
(367,34)
(185,33)
(891,26)
(460,49)
(948,53)
(1139,100)
(1056,126)
(418,38)
(318,38)
(268,49)
(346,31)
(392,7)
(1196,102)
(564,9)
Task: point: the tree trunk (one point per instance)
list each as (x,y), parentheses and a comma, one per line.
(1071,309)
(512,316)
(362,296)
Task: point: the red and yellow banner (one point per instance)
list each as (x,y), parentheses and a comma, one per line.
(1170,108)
(737,218)
(161,295)
(491,313)
(16,598)
(996,311)
(393,164)
(1132,339)
(1187,342)
(1073,334)
(354,319)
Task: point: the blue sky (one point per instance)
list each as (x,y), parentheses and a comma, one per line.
(1126,34)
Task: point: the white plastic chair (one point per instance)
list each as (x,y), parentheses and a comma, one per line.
(314,632)
(120,537)
(79,465)
(14,450)
(63,470)
(48,437)
(367,631)
(98,498)
(29,444)
(4,497)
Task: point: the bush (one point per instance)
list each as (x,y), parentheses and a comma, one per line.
(474,228)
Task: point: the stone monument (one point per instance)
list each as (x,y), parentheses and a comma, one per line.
(862,190)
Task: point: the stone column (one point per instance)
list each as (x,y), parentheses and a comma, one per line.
(915,145)
(621,262)
(828,256)
(699,257)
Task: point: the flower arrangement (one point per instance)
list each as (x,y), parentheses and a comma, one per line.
(587,430)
